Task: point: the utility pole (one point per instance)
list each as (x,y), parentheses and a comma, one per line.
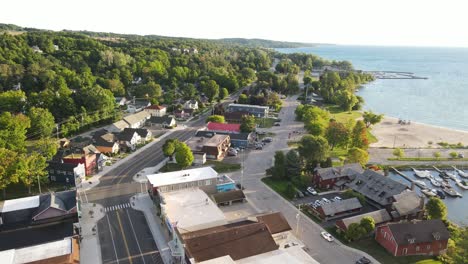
(298,218)
(242,169)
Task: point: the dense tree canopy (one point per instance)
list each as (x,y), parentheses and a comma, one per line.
(436,208)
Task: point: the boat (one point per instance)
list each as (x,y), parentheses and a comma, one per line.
(462,184)
(446,184)
(460,172)
(420,183)
(441,194)
(451,175)
(429,192)
(421,173)
(452,192)
(435,182)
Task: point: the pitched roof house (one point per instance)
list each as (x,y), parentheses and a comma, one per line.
(429,237)
(191,104)
(162,121)
(407,205)
(66,173)
(328,178)
(237,139)
(378,189)
(137,120)
(107,143)
(128,139)
(379,216)
(337,209)
(118,126)
(156,110)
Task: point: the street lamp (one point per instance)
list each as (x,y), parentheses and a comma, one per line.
(242,169)
(298,218)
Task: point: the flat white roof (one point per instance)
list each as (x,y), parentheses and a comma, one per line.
(191,210)
(20,204)
(175,177)
(221,260)
(291,255)
(37,252)
(251,106)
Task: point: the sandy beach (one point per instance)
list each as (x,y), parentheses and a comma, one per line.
(416,135)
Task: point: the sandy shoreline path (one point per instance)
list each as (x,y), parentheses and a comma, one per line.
(416,135)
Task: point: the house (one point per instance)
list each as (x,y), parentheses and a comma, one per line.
(162,121)
(237,240)
(181,113)
(128,139)
(66,173)
(137,120)
(36,49)
(118,126)
(204,178)
(143,134)
(137,105)
(429,237)
(40,229)
(255,110)
(156,110)
(216,147)
(237,139)
(407,205)
(337,209)
(221,127)
(328,178)
(235,117)
(380,216)
(378,189)
(191,104)
(107,143)
(228,197)
(121,101)
(89,160)
(137,80)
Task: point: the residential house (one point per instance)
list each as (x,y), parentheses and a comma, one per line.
(106,142)
(380,216)
(191,104)
(137,105)
(79,157)
(40,229)
(162,121)
(329,178)
(128,139)
(429,237)
(237,139)
(255,110)
(235,117)
(156,110)
(66,173)
(407,205)
(143,133)
(236,240)
(378,189)
(36,49)
(222,127)
(137,120)
(181,113)
(121,101)
(118,126)
(337,209)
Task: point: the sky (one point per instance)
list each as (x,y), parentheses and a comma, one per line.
(356,22)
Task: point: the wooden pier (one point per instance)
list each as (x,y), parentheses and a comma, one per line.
(409,179)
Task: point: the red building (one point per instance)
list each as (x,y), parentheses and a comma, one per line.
(220,127)
(428,237)
(89,161)
(328,178)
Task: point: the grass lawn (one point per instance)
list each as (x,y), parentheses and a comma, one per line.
(171,167)
(265,122)
(221,167)
(279,186)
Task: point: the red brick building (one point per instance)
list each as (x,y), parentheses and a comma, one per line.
(428,237)
(220,127)
(328,178)
(89,161)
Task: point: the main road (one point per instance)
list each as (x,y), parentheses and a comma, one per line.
(124,235)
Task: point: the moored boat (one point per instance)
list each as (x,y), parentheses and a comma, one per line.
(440,194)
(452,192)
(421,184)
(429,192)
(421,173)
(460,172)
(462,184)
(435,182)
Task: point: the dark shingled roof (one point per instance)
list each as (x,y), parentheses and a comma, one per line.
(421,231)
(161,119)
(379,216)
(224,197)
(237,115)
(336,172)
(377,187)
(126,134)
(275,222)
(341,206)
(238,240)
(58,165)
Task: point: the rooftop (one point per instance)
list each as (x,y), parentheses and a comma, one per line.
(216,140)
(406,203)
(175,177)
(249,106)
(191,210)
(138,117)
(275,222)
(233,195)
(379,216)
(291,255)
(156,107)
(20,204)
(235,136)
(223,127)
(38,252)
(419,231)
(120,124)
(341,206)
(336,172)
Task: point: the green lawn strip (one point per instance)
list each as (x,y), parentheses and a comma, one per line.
(265,122)
(427,159)
(222,167)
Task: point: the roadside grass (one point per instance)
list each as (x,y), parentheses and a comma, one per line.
(427,159)
(222,167)
(265,122)
(293,144)
(279,186)
(371,247)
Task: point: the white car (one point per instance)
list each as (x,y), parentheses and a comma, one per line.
(327,236)
(311,190)
(325,200)
(337,198)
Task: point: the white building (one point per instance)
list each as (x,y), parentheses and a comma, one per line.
(191,104)
(156,110)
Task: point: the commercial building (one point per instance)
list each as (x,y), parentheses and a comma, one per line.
(407,205)
(215,147)
(237,139)
(329,178)
(255,110)
(223,127)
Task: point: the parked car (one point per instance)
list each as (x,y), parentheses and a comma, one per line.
(267,139)
(327,236)
(261,133)
(259,146)
(326,200)
(232,152)
(277,124)
(337,198)
(461,156)
(311,191)
(363,260)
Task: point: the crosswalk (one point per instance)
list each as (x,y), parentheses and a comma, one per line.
(117,207)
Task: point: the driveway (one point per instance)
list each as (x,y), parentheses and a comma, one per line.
(263,199)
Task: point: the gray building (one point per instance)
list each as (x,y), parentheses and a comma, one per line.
(255,110)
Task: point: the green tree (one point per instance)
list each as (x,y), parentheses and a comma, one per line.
(210,88)
(216,119)
(436,154)
(12,101)
(337,135)
(183,155)
(290,191)
(243,99)
(371,119)
(279,167)
(223,93)
(31,168)
(169,147)
(358,155)
(47,147)
(399,153)
(42,122)
(351,193)
(436,209)
(453,154)
(346,100)
(368,223)
(359,136)
(355,232)
(247,124)
(13,131)
(8,166)
(313,149)
(293,164)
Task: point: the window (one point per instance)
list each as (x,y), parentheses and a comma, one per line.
(207,182)
(428,247)
(52,178)
(405,251)
(417,248)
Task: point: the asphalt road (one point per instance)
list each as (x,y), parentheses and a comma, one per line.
(124,235)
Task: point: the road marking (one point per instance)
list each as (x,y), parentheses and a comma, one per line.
(134,234)
(124,238)
(112,238)
(116,207)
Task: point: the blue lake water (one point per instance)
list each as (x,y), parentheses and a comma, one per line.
(441,100)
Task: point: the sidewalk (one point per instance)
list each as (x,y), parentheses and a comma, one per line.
(142,202)
(141,175)
(90,251)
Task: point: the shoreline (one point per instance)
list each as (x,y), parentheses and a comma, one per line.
(416,135)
